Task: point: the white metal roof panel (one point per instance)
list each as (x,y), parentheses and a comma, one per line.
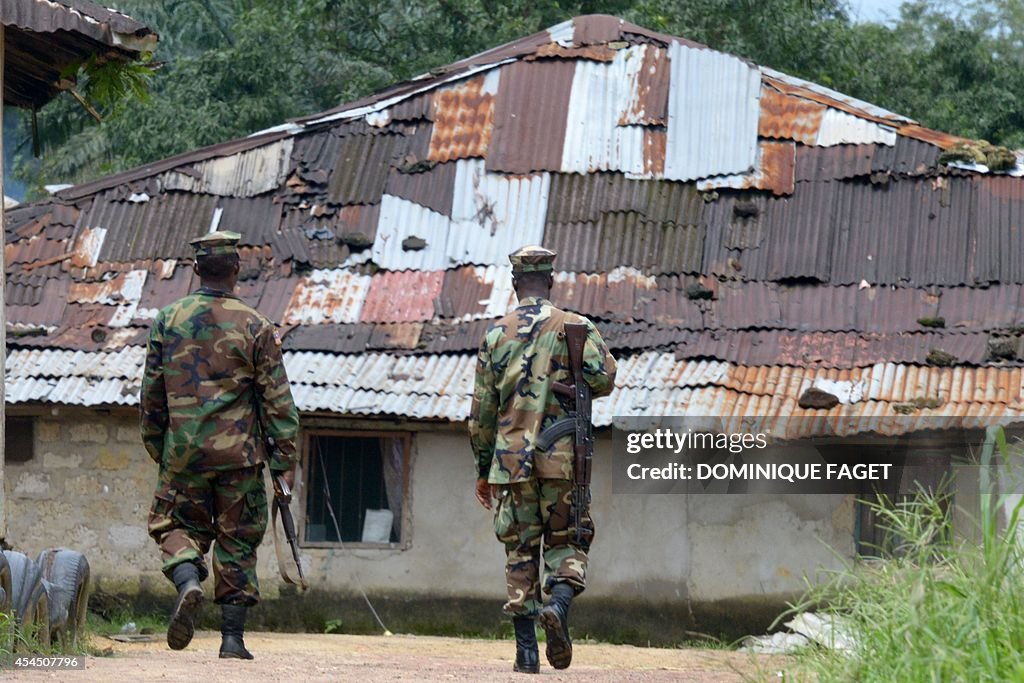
(840,128)
(713,110)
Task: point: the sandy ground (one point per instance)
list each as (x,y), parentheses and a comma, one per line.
(369,659)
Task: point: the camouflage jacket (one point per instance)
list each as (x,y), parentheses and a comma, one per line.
(211,360)
(521,356)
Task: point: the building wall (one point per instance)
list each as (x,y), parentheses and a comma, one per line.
(90,483)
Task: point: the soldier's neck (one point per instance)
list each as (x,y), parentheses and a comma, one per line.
(225,285)
(538,292)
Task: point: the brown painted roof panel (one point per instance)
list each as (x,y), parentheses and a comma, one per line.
(789,117)
(463,120)
(529,116)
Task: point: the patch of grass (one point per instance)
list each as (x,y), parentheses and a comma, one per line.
(144,623)
(930,609)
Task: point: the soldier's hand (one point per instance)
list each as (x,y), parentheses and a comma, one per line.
(484,493)
(289,478)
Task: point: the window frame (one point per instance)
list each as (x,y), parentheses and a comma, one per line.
(405,536)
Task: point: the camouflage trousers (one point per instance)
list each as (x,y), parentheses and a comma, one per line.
(191,511)
(532,513)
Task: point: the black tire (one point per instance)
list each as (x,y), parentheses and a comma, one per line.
(5,584)
(29,601)
(66,577)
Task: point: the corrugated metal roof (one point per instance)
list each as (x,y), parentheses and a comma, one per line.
(626,239)
(126,363)
(616,295)
(362,166)
(834,163)
(433,188)
(80,391)
(464,118)
(917,232)
(713,112)
(831,97)
(648,104)
(492,216)
(327,296)
(530,116)
(123,291)
(585,198)
(406,296)
(602,96)
(161,227)
(475,292)
(774,170)
(789,117)
(1000,217)
(245,174)
(33,250)
(88,245)
(840,128)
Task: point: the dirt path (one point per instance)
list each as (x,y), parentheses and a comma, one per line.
(371,659)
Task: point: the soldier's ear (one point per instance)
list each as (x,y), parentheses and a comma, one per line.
(195,267)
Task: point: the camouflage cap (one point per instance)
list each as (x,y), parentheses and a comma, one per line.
(216,243)
(532,259)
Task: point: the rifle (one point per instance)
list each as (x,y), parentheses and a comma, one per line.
(282,499)
(576,423)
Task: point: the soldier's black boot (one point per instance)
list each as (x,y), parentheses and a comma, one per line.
(555,620)
(527,657)
(232,628)
(190,599)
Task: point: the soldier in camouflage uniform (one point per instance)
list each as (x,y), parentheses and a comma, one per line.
(520,358)
(214,378)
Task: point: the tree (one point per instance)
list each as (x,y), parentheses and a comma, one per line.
(233,67)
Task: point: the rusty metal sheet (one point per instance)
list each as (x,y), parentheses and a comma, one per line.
(907,156)
(774,170)
(757,238)
(333,337)
(916,232)
(530,116)
(788,117)
(791,85)
(1000,241)
(835,163)
(579,198)
(648,105)
(464,118)
(34,249)
(605,296)
(626,239)
(433,188)
(601,98)
(976,309)
(402,297)
(326,296)
(597,53)
(41,305)
(256,219)
(453,337)
(160,227)
(413,108)
(88,245)
(362,166)
(162,291)
(395,336)
(474,292)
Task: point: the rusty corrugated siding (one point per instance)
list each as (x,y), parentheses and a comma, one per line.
(648,105)
(583,198)
(406,296)
(432,188)
(474,292)
(326,296)
(530,116)
(626,239)
(834,163)
(911,231)
(362,166)
(774,170)
(464,118)
(789,117)
(1000,218)
(161,226)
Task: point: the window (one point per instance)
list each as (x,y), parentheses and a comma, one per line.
(19,438)
(357,485)
(924,470)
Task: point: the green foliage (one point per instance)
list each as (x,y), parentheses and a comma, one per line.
(931,610)
(228,68)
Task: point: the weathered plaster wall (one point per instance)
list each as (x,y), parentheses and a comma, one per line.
(90,483)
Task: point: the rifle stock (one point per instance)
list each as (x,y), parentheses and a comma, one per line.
(282,500)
